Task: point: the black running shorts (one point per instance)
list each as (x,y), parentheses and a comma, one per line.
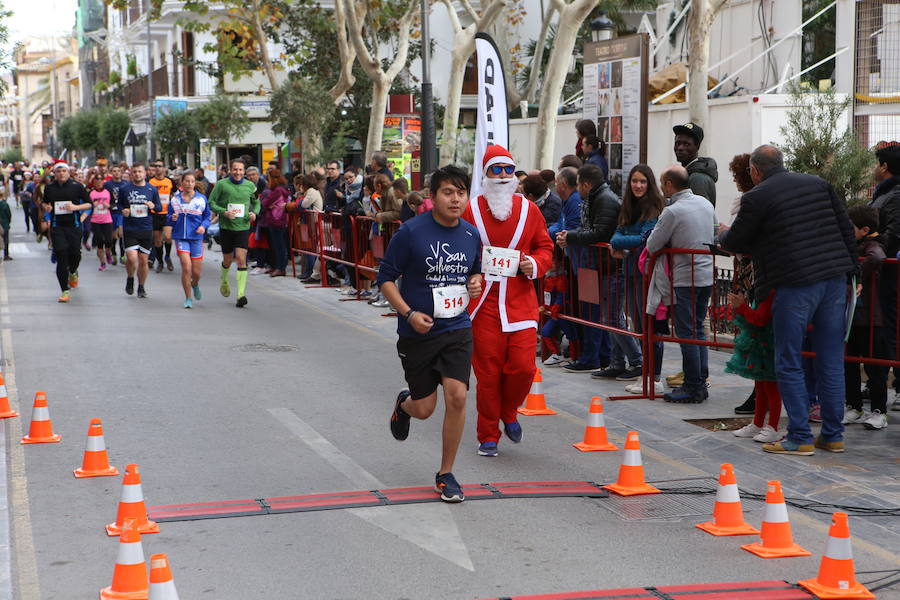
(160,221)
(140,240)
(426,360)
(229,240)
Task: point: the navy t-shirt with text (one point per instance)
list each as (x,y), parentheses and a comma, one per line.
(131,195)
(429,255)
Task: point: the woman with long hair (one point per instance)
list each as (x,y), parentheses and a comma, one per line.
(274,201)
(188,215)
(642,203)
(583,128)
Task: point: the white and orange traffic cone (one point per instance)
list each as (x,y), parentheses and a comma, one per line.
(728,517)
(536,404)
(631,472)
(162,585)
(595,432)
(131,505)
(95,462)
(41,429)
(836,577)
(130,574)
(5,411)
(776,538)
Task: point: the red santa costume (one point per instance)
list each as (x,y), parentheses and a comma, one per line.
(505,316)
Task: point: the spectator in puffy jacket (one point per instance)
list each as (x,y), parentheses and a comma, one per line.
(535,189)
(599,216)
(886,199)
(803,247)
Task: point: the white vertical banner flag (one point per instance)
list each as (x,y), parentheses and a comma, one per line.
(492,121)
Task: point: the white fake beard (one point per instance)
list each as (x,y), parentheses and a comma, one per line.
(499,195)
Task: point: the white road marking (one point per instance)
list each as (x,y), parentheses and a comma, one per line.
(429,526)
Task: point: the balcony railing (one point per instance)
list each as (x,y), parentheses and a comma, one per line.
(135,91)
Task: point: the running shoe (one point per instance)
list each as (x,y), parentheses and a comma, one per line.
(102,267)
(747,431)
(609,373)
(129,286)
(150,263)
(682,396)
(895,405)
(513,431)
(789,447)
(383,303)
(86,246)
(815,413)
(630,374)
(767,435)
(123,260)
(447,486)
(169,264)
(851,416)
(638,388)
(73,280)
(109,258)
(142,293)
(64,297)
(53,257)
(188,303)
(365,294)
(241,302)
(579,368)
(399,418)
(198,295)
(553,360)
(159,267)
(876,420)
(488,449)
(224,289)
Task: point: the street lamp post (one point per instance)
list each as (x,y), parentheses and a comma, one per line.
(602,28)
(151,148)
(429,142)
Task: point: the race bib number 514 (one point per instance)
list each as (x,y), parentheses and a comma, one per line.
(449,301)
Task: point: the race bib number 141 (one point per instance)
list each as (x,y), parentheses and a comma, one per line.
(497,262)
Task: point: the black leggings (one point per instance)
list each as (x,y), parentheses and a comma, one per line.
(67,247)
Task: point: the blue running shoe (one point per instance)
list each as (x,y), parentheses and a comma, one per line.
(488,449)
(447,486)
(188,303)
(513,431)
(197,293)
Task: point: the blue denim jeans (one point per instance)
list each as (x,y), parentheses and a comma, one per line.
(278,242)
(824,304)
(623,346)
(595,348)
(691,304)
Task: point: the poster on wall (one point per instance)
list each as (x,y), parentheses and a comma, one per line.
(401,137)
(615,98)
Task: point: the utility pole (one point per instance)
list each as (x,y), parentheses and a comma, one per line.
(151,149)
(429,142)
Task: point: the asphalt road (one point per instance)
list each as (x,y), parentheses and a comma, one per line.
(290,396)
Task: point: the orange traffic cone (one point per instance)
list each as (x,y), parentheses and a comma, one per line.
(162,586)
(776,538)
(131,505)
(595,432)
(728,518)
(535,403)
(836,578)
(95,462)
(41,429)
(130,575)
(631,472)
(5,411)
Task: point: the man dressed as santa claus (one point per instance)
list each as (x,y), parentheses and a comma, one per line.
(515,250)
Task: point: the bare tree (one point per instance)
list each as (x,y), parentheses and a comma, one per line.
(463,46)
(700,19)
(346,52)
(515,95)
(371,64)
(572,14)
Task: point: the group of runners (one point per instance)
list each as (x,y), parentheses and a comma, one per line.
(144,218)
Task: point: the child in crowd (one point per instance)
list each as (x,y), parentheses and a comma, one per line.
(555,285)
(863,340)
(754,358)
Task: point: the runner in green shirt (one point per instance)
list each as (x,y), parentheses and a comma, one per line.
(234,200)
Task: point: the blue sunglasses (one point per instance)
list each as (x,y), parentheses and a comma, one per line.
(497,169)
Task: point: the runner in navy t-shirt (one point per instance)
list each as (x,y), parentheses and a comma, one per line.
(439,256)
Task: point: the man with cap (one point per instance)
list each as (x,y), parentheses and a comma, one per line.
(64,198)
(702,170)
(516,249)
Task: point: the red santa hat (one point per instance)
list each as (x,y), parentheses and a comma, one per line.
(60,163)
(496,155)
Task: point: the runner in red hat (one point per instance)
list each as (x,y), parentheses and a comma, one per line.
(516,250)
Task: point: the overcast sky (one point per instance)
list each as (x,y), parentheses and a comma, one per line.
(40,17)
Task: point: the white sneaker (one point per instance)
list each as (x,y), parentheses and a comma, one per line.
(638,388)
(767,435)
(876,420)
(553,360)
(896,403)
(383,303)
(349,292)
(851,416)
(747,431)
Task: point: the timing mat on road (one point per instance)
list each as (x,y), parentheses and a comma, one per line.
(752,590)
(363,498)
